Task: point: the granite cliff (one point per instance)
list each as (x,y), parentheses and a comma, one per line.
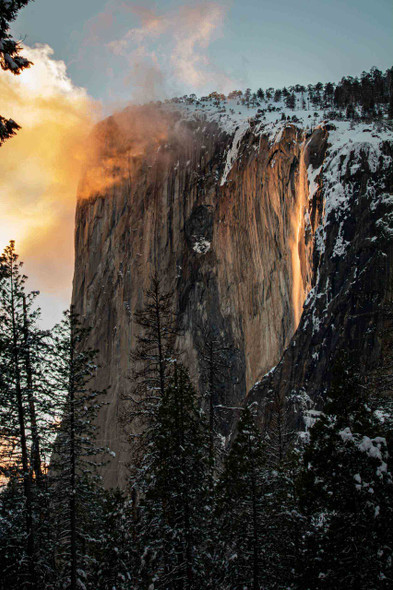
(246,218)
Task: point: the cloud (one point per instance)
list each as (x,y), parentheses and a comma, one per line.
(40,167)
(186,34)
(193,29)
(164,51)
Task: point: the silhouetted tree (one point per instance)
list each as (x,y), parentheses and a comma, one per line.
(153,363)
(290,101)
(10,58)
(76,456)
(240,511)
(215,361)
(15,392)
(260,94)
(172,529)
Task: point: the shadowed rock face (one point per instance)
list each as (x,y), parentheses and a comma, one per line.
(352,282)
(238,256)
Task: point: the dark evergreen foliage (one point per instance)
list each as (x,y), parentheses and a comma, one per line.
(114,555)
(76,456)
(373,88)
(153,361)
(154,350)
(240,510)
(215,361)
(280,511)
(346,494)
(171,529)
(10,58)
(23,431)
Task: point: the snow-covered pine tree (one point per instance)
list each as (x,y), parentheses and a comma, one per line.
(171,529)
(216,359)
(10,58)
(280,432)
(75,483)
(283,522)
(13,537)
(115,552)
(240,511)
(290,101)
(346,494)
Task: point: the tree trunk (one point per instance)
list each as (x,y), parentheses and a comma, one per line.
(35,449)
(73,469)
(255,573)
(23,442)
(211,404)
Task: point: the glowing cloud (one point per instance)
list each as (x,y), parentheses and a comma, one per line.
(40,167)
(118,144)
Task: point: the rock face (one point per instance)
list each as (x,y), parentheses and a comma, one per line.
(352,285)
(232,251)
(242,227)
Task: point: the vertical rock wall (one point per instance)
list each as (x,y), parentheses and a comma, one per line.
(349,305)
(238,254)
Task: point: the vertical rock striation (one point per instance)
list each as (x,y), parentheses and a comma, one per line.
(222,219)
(242,222)
(352,283)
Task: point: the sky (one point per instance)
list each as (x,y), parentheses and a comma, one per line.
(95,56)
(257,43)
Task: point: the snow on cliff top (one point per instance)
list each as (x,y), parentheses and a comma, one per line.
(235,115)
(271,117)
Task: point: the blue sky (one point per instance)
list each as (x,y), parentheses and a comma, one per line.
(257,42)
(119,50)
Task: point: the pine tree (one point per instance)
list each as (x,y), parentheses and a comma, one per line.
(283,522)
(215,361)
(10,58)
(14,573)
(279,430)
(346,492)
(19,435)
(290,101)
(73,476)
(114,553)
(389,91)
(277,95)
(172,509)
(154,348)
(26,400)
(241,509)
(153,362)
(260,94)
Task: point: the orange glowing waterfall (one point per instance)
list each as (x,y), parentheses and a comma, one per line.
(298,289)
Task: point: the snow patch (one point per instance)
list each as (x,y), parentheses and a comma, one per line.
(313,185)
(233,151)
(201,245)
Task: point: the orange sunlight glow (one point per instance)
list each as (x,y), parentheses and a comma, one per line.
(117,144)
(40,167)
(298,287)
(8,458)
